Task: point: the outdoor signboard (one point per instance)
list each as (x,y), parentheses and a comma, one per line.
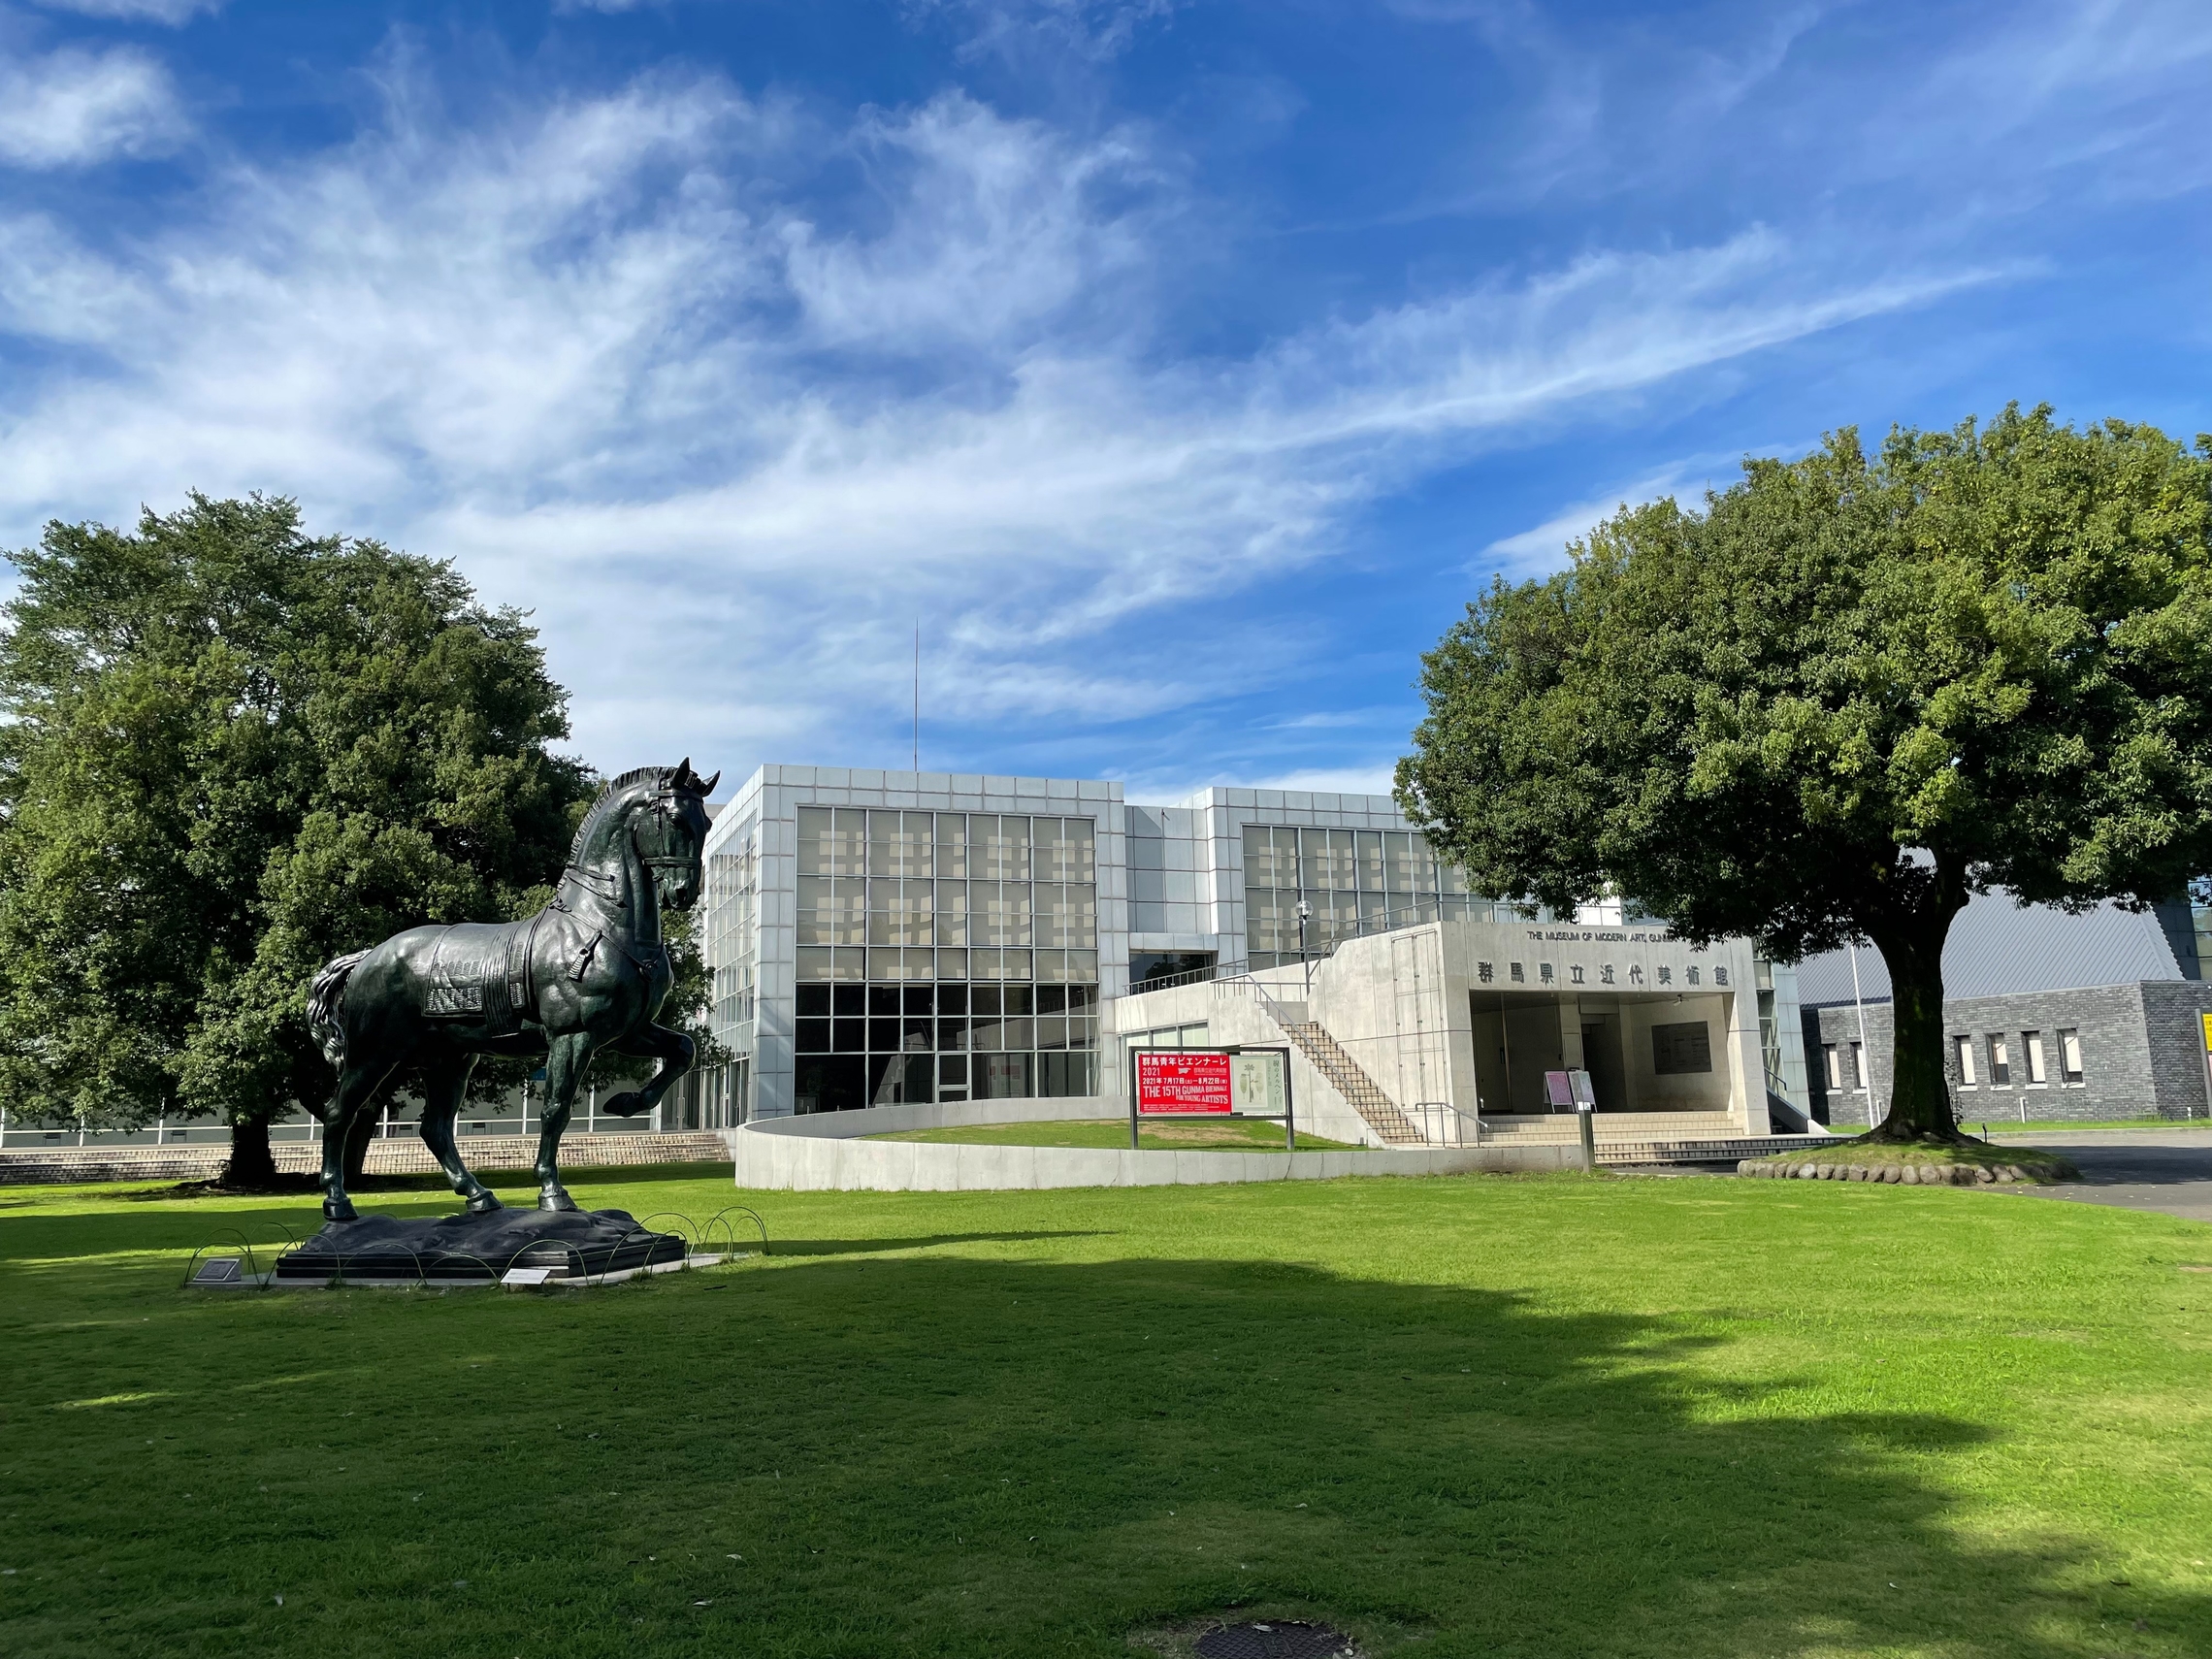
(1183,1081)
(1238,1083)
(1260,1083)
(1568,1090)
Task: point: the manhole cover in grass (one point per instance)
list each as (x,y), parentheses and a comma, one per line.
(1277,1639)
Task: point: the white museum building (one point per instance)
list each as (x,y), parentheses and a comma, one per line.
(880,937)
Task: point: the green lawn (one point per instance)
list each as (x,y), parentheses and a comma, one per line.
(1220,1135)
(1539,1418)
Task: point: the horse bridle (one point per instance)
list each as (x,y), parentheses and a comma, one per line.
(663,806)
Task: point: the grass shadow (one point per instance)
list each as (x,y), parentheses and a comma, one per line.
(957,1454)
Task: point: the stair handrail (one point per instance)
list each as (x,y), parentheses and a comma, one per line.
(1448,1116)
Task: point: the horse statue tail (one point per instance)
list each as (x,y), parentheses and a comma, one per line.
(322,1006)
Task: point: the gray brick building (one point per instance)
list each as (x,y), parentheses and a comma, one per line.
(2050,1017)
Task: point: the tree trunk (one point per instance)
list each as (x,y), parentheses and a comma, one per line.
(252,1165)
(1920,1087)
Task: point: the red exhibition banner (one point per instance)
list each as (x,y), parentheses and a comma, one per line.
(1169,1080)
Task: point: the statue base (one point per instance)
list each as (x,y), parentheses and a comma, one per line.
(572,1244)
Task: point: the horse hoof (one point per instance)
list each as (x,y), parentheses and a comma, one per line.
(339,1210)
(484,1203)
(557,1199)
(628,1104)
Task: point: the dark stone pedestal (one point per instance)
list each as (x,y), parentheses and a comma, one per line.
(572,1244)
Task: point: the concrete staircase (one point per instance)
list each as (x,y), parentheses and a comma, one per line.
(1346,1076)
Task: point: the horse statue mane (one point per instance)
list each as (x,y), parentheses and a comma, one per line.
(616,794)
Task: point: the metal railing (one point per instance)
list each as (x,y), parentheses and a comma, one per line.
(1443,1124)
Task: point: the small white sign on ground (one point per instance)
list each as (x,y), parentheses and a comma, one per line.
(527,1276)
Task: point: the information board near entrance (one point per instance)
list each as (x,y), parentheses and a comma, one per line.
(1239,1083)
(1175,1080)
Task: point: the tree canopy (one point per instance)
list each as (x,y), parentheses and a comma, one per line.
(233,751)
(1849,692)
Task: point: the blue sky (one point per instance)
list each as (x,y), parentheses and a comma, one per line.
(1183,369)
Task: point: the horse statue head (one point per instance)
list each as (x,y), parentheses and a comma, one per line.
(670,832)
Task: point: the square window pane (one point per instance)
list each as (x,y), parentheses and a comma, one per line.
(1083,978)
(814,840)
(849,1036)
(952,965)
(951,1035)
(848,842)
(1015,965)
(810,1036)
(1424,867)
(1259,857)
(830,1084)
(1398,861)
(1051,966)
(1079,849)
(1368,855)
(952,1069)
(952,998)
(815,964)
(983,999)
(951,844)
(1004,1077)
(852,999)
(813,1000)
(999,847)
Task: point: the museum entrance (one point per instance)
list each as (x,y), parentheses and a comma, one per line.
(1649,1051)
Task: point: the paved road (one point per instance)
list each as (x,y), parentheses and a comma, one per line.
(2135,1169)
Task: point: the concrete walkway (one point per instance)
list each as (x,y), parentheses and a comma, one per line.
(2135,1169)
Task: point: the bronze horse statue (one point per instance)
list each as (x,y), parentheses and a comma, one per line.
(587,973)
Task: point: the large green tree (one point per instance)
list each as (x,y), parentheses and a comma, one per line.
(231,751)
(1847,693)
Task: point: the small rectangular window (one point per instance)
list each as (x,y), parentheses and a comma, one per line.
(1835,1057)
(1964,1047)
(1858,1066)
(2070,1057)
(1686,1047)
(2031,1046)
(2000,1058)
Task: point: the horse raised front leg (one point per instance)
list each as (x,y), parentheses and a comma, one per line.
(672,1049)
(566,1058)
(443,1089)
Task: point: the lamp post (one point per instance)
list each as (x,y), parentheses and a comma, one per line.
(1305,915)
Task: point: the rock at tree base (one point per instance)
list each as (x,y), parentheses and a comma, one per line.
(572,1244)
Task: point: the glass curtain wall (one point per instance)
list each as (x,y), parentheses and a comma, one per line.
(733,906)
(944,956)
(1352,881)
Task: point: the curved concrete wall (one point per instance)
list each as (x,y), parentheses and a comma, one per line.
(826,1152)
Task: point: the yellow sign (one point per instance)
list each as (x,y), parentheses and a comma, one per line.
(2207,1019)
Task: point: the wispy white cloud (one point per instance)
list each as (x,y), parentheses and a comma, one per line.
(71,108)
(1022,30)
(1543,547)
(618,358)
(171,12)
